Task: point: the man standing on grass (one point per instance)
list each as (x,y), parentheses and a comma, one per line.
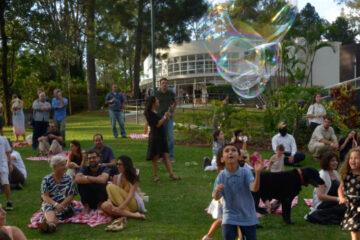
(116,106)
(92,181)
(41,113)
(167,102)
(59,105)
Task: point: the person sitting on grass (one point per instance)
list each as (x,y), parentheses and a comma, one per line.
(326,208)
(92,182)
(158,144)
(50,142)
(218,142)
(107,157)
(14,233)
(18,174)
(57,193)
(75,159)
(6,167)
(235,185)
(125,198)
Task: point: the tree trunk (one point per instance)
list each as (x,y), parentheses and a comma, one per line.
(90,56)
(5,51)
(138,45)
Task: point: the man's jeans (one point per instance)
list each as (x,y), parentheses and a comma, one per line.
(117,116)
(169,129)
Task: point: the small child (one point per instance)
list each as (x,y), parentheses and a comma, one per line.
(235,185)
(349,192)
(240,139)
(218,142)
(277,160)
(15,103)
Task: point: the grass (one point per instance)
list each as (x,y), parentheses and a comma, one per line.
(175,209)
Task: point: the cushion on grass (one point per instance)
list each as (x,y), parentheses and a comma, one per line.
(138,136)
(308,201)
(279,210)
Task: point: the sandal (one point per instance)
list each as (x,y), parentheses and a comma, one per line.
(175,178)
(156,180)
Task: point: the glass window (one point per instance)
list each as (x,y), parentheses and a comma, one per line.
(177,60)
(200,56)
(207,56)
(191,57)
(200,67)
(170,68)
(171,60)
(184,68)
(183,58)
(191,67)
(176,67)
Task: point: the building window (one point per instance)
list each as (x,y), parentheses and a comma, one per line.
(184,68)
(200,67)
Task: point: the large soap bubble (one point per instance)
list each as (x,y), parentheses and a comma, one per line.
(249,53)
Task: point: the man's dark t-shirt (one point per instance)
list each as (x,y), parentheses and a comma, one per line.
(106,155)
(56,133)
(165,100)
(87,172)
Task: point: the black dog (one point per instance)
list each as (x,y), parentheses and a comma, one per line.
(284,186)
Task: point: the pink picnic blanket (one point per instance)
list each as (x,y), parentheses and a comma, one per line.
(138,136)
(279,210)
(20,144)
(308,201)
(94,218)
(46,158)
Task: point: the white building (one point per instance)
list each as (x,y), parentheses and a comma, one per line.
(189,65)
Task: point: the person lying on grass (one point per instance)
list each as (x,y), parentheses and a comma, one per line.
(57,192)
(235,185)
(125,198)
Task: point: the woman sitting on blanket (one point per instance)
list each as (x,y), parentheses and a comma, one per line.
(14,233)
(57,192)
(75,159)
(325,208)
(125,198)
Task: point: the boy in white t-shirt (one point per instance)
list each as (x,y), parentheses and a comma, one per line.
(5,166)
(18,175)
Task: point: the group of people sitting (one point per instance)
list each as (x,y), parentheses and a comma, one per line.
(120,198)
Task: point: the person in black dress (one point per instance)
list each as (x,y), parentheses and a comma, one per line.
(157,138)
(347,143)
(75,159)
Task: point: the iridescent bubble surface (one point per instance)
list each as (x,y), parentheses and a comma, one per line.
(249,52)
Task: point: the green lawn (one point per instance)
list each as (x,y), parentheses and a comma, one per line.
(175,209)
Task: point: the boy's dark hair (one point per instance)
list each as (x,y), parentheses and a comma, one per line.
(98,134)
(219,155)
(280,148)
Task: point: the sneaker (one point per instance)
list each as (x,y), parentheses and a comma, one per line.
(9,206)
(207,162)
(206,238)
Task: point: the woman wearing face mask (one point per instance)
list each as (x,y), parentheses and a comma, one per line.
(316,112)
(292,158)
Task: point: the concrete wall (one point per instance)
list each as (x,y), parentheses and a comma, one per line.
(326,68)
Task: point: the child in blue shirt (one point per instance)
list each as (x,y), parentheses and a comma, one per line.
(235,185)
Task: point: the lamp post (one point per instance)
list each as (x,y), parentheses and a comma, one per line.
(153,44)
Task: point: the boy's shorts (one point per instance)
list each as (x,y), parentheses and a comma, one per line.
(4,177)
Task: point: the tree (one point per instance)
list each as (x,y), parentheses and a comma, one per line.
(14,15)
(340,30)
(311,28)
(354,15)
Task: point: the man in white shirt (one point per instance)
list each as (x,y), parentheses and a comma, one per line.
(292,158)
(18,175)
(5,166)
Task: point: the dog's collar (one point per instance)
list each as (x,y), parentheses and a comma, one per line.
(301,176)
